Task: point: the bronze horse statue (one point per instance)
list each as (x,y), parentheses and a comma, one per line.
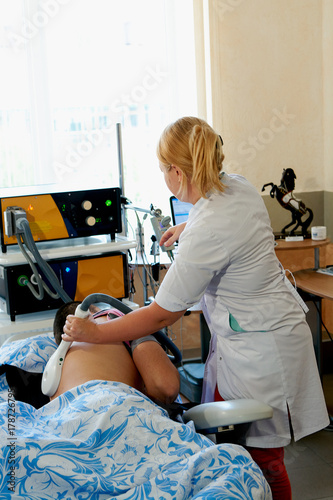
(284,195)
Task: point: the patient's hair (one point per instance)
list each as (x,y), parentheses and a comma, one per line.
(60,319)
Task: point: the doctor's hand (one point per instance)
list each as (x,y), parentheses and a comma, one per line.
(80,330)
(172,234)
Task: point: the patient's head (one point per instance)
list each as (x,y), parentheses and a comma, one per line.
(60,319)
(70,308)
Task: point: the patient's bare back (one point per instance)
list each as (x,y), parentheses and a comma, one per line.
(86,362)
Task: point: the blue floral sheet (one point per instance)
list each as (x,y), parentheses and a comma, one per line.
(106,440)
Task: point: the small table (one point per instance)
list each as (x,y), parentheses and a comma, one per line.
(315,283)
(302,245)
(310,281)
(319,286)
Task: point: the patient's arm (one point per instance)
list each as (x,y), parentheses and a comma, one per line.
(160,376)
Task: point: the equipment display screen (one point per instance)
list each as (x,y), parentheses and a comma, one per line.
(179,210)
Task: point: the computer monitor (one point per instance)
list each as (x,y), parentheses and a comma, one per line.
(179,210)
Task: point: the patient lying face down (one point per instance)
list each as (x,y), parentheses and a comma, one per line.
(147,368)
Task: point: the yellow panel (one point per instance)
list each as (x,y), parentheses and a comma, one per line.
(101,275)
(46,222)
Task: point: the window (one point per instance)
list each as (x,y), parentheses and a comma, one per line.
(72,70)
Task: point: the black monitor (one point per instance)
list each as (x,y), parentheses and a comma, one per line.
(179,210)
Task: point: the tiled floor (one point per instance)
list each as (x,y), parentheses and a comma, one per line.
(310,467)
(310,461)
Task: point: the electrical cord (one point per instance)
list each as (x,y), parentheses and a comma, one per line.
(36,275)
(24,281)
(153,284)
(46,269)
(321,320)
(170,254)
(145,261)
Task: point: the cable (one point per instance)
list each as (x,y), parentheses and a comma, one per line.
(37,275)
(44,266)
(153,284)
(40,294)
(321,320)
(170,254)
(145,261)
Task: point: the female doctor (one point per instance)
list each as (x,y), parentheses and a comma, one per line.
(261,345)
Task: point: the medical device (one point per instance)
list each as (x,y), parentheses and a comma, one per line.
(62,215)
(53,369)
(79,276)
(159,223)
(43,284)
(179,210)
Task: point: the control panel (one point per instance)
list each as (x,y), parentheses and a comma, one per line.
(65,215)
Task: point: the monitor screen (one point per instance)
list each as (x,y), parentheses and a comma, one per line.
(179,210)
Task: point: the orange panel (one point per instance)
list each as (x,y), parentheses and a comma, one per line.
(101,275)
(46,222)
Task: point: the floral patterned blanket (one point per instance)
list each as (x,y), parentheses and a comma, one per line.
(105,440)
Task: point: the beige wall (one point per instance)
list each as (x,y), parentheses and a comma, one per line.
(328,99)
(271,85)
(265,80)
(265,83)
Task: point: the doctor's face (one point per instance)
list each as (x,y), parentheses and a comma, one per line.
(172,177)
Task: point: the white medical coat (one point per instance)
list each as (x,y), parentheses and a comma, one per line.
(226,259)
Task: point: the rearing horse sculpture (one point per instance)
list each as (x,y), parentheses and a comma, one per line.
(284,195)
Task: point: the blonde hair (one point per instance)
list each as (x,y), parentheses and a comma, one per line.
(192,145)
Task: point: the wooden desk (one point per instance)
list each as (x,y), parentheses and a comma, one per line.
(302,245)
(315,283)
(319,286)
